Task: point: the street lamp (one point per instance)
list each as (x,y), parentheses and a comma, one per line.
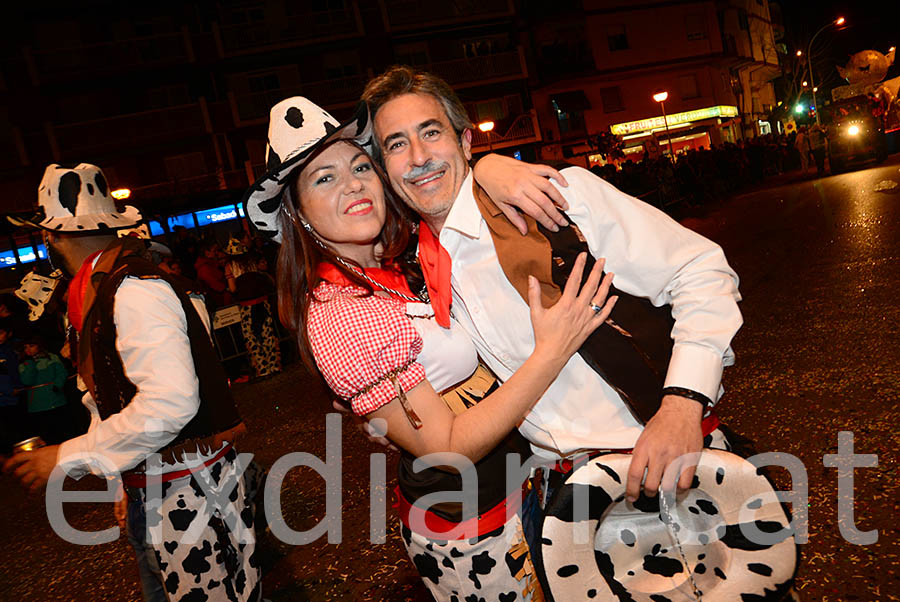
(120,194)
(661,97)
(837,23)
(486,127)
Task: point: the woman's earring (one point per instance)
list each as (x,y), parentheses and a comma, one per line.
(306,225)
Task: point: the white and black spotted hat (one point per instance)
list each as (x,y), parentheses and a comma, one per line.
(732,533)
(297,129)
(77,200)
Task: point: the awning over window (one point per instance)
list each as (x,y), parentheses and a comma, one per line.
(570,102)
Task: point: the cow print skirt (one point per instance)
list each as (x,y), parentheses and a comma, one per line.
(202,532)
(490,568)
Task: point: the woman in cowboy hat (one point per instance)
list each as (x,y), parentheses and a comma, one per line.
(344,289)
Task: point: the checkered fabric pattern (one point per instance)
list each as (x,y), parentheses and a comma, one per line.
(359,342)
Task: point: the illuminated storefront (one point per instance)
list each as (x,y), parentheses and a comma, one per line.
(687,130)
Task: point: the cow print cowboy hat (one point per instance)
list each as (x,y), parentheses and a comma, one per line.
(729,529)
(77,200)
(297,129)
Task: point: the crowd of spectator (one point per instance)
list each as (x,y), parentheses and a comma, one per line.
(38,393)
(38,396)
(702,175)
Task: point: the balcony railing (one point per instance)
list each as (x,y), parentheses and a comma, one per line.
(478,69)
(149,51)
(408,14)
(290,31)
(132,130)
(256,106)
(522,130)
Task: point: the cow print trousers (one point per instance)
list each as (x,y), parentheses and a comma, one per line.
(482,569)
(202,532)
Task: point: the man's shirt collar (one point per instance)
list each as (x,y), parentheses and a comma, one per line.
(464,216)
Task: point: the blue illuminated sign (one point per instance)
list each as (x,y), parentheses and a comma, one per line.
(26,255)
(219,214)
(518,155)
(185,219)
(155,228)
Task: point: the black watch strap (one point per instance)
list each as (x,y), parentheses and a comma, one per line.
(688,393)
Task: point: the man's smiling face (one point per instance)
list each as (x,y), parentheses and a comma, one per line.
(424,159)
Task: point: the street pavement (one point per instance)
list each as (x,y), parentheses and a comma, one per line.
(818,355)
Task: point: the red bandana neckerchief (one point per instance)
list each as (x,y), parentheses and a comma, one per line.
(388,276)
(435,262)
(77,290)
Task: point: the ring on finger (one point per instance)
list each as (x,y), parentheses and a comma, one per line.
(595,308)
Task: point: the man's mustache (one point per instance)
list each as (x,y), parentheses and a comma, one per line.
(430,167)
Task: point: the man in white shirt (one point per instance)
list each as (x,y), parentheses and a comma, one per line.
(162,415)
(423,138)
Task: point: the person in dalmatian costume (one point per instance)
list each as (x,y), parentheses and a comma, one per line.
(162,416)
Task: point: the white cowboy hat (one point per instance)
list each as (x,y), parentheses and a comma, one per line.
(297,128)
(77,200)
(729,529)
(37,291)
(143,232)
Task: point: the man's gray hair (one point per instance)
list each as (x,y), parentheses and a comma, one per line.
(399,80)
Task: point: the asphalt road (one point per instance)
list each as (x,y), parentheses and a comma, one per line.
(818,354)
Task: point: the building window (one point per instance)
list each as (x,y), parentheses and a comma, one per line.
(415,54)
(244,15)
(616,37)
(611,99)
(695,25)
(167,96)
(182,167)
(490,110)
(571,123)
(263,82)
(339,65)
(569,108)
(687,85)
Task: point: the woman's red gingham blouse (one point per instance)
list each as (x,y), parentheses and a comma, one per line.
(359,342)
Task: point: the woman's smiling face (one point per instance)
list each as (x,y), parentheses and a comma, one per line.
(342,198)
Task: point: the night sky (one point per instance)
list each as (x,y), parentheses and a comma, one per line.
(870,26)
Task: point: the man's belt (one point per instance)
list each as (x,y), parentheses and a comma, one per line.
(140,480)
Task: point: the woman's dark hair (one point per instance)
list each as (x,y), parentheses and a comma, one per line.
(300,255)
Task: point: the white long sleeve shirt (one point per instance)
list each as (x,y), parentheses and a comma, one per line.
(153,343)
(651,255)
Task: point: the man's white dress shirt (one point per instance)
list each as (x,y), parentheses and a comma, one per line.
(651,256)
(153,343)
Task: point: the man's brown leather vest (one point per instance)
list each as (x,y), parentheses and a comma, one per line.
(631,351)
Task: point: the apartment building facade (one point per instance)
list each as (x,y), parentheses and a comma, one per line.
(172,99)
(714,59)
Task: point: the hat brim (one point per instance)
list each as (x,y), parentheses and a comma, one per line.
(263,199)
(626,549)
(83,223)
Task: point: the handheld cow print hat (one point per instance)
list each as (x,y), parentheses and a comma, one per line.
(727,538)
(297,129)
(40,292)
(77,200)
